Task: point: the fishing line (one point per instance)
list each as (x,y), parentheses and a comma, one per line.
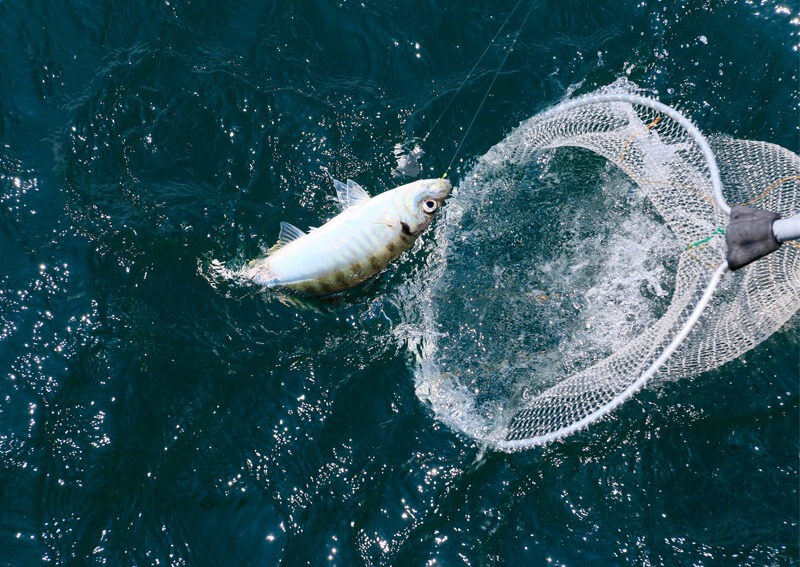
(475,66)
(489,89)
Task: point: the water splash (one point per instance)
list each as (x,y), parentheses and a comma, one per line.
(567,262)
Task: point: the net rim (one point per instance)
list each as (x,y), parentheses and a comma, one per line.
(641,381)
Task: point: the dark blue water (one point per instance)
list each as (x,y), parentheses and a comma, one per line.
(151,415)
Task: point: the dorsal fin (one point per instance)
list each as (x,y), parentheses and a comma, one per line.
(350,195)
(288,234)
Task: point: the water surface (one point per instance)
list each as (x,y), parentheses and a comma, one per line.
(153,415)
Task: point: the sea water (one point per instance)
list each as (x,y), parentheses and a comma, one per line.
(153,415)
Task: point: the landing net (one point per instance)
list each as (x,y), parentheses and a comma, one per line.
(584,256)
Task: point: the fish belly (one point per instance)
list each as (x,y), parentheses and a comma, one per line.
(333,257)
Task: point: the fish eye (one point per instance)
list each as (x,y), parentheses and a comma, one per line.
(429,206)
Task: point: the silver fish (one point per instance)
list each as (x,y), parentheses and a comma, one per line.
(353,246)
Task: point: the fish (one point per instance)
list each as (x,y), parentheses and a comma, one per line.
(358,243)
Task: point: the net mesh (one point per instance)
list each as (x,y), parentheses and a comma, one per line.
(515,365)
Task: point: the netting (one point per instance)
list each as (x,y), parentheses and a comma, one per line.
(562,282)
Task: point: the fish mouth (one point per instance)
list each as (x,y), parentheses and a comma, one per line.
(442,189)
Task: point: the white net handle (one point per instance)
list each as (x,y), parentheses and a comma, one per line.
(787,229)
(639,383)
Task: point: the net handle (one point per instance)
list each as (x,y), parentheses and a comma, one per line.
(635,386)
(694,132)
(787,229)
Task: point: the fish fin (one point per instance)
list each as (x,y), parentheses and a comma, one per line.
(321,305)
(299,303)
(350,195)
(288,234)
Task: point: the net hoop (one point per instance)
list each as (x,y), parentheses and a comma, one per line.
(641,381)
